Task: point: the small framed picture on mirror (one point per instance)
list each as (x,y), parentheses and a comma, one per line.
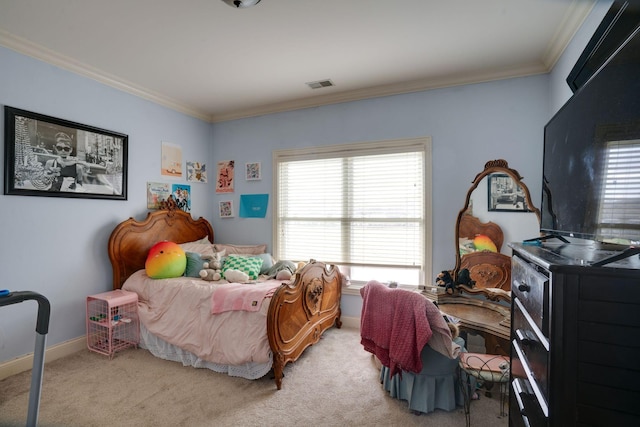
(504,195)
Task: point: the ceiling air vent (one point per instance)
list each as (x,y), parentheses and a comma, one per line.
(320,84)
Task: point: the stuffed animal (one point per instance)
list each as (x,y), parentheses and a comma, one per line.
(287,272)
(209,274)
(444,279)
(484,243)
(165,260)
(282,270)
(236,276)
(455,330)
(464,278)
(211,270)
(283,274)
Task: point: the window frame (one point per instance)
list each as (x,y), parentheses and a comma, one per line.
(422,144)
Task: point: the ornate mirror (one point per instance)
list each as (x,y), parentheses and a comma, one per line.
(497,210)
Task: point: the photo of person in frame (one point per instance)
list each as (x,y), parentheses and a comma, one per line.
(66,170)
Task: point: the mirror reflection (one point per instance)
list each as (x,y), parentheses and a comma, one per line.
(498,209)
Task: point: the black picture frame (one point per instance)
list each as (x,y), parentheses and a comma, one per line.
(504,195)
(37,160)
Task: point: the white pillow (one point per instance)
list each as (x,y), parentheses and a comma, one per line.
(202,247)
(240,249)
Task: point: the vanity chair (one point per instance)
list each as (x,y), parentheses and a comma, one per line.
(497,196)
(408,336)
(436,386)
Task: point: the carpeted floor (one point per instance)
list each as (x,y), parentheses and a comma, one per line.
(334,383)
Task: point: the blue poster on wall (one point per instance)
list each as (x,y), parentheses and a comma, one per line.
(182,195)
(253,205)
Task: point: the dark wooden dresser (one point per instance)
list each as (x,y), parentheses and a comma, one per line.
(575,337)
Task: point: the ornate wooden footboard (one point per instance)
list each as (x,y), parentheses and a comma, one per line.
(301,311)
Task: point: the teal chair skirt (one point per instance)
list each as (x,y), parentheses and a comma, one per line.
(436,387)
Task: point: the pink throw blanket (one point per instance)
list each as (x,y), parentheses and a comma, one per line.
(394,326)
(241,296)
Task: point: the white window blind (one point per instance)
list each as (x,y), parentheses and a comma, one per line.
(620,205)
(353,205)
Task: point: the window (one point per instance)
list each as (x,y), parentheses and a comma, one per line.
(364,207)
(620,203)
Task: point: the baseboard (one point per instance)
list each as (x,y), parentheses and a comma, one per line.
(25,363)
(350,322)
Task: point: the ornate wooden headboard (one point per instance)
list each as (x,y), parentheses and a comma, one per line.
(489,270)
(470,226)
(131,240)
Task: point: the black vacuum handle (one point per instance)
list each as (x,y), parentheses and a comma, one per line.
(44,308)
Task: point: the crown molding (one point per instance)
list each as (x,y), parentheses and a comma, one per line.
(575,16)
(571,23)
(381,91)
(41,53)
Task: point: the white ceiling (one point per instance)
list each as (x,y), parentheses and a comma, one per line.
(209,60)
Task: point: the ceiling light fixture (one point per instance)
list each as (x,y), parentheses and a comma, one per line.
(241,4)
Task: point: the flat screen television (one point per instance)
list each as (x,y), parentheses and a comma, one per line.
(591,166)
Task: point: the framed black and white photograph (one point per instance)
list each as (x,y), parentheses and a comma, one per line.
(505,195)
(47,156)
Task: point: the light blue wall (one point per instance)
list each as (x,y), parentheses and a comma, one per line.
(469,125)
(58,246)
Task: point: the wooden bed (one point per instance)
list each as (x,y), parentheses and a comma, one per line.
(299,311)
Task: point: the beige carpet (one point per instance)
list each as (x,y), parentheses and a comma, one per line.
(334,383)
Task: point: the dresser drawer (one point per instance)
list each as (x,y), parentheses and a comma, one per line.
(526,410)
(527,398)
(531,288)
(533,347)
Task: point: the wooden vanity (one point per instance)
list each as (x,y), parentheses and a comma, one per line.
(489,319)
(484,308)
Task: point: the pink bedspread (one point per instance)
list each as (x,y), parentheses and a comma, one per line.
(178,311)
(242,296)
